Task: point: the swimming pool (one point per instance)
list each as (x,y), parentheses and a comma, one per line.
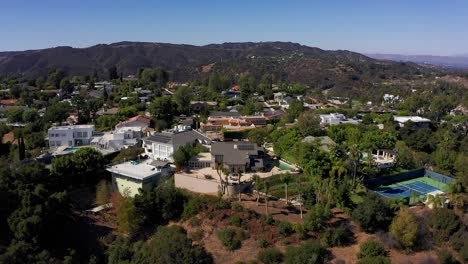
(285,167)
(71,149)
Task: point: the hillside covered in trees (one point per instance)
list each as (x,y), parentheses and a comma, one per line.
(284,61)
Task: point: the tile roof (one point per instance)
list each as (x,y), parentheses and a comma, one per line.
(140,118)
(8,101)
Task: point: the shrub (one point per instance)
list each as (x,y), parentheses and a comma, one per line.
(317,217)
(340,236)
(285,228)
(262,243)
(236,221)
(300,230)
(375,260)
(197,235)
(373,214)
(308,253)
(371,248)
(237,207)
(458,239)
(269,220)
(194,222)
(405,228)
(446,258)
(199,203)
(445,222)
(270,256)
(464,251)
(231,238)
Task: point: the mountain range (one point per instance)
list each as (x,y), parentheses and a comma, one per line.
(284,61)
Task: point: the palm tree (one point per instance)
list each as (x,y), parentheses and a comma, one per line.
(256,180)
(300,188)
(436,201)
(226,179)
(239,175)
(457,200)
(286,179)
(354,156)
(219,170)
(266,188)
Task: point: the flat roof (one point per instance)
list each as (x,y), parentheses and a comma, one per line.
(404,119)
(134,169)
(70,127)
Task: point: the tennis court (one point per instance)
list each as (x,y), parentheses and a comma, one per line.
(418,186)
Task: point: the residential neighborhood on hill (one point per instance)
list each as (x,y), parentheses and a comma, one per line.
(179,148)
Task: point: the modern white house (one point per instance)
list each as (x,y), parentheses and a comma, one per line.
(70,136)
(161,146)
(131,176)
(118,139)
(332,119)
(420,121)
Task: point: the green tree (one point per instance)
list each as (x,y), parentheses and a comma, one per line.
(270,256)
(311,252)
(182,98)
(295,109)
(317,217)
(182,155)
(57,112)
(405,228)
(30,116)
(129,219)
(309,124)
(112,71)
(170,245)
(163,108)
(371,248)
(444,222)
(103,192)
(373,214)
(15,115)
(286,180)
(66,86)
(54,78)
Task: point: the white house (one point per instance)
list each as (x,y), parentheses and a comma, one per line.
(278,97)
(71,136)
(118,139)
(131,176)
(420,121)
(332,119)
(161,146)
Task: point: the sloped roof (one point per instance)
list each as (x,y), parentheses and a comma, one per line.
(8,101)
(176,138)
(140,118)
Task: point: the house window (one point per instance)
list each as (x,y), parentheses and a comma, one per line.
(85,134)
(70,143)
(59,143)
(52,143)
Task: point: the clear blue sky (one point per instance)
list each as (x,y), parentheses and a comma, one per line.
(438,27)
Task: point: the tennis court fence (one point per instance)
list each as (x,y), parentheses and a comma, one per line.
(408,175)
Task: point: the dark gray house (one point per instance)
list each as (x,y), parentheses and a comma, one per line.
(237,156)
